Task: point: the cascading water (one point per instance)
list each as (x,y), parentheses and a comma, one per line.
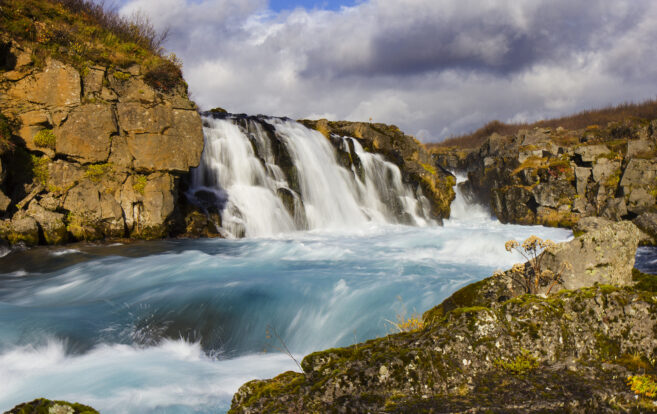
(275,176)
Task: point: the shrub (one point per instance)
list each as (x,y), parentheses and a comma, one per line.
(164,74)
(45,139)
(645,385)
(532,277)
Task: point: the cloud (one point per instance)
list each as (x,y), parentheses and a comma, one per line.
(434,68)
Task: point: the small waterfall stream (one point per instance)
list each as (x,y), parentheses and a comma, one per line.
(273,176)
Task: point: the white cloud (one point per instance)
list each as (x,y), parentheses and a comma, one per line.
(434,68)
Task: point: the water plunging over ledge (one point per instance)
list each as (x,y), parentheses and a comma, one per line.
(274,176)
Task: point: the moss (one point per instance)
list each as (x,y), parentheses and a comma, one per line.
(429,168)
(45,139)
(44,406)
(644,281)
(122,76)
(95,172)
(139,184)
(40,169)
(218,110)
(520,365)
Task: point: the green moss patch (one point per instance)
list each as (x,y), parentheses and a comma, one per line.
(45,139)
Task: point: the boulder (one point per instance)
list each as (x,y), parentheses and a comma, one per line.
(42,405)
(92,82)
(614,209)
(553,193)
(647,223)
(52,224)
(23,229)
(582,175)
(590,153)
(604,256)
(642,148)
(589,224)
(638,173)
(603,169)
(148,202)
(87,133)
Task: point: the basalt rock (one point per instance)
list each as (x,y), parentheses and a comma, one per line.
(557,177)
(99,155)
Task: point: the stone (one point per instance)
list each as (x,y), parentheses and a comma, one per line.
(63,175)
(589,224)
(639,172)
(83,203)
(52,224)
(87,133)
(93,80)
(553,193)
(582,175)
(31,123)
(58,85)
(5,202)
(152,151)
(647,223)
(604,169)
(148,202)
(23,229)
(640,200)
(111,216)
(605,256)
(614,209)
(590,153)
(643,148)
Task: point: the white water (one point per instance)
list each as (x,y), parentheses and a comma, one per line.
(239,164)
(177,326)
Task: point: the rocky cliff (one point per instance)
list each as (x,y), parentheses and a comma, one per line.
(555,177)
(489,348)
(415,162)
(92,149)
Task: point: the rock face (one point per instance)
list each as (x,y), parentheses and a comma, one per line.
(556,177)
(98,155)
(418,168)
(486,349)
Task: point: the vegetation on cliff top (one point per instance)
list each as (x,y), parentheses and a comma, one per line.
(84,33)
(627,111)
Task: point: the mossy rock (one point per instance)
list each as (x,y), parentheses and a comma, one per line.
(44,406)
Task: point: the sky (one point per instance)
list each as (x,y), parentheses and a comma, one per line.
(435,68)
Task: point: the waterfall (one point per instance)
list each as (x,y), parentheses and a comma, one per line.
(463,209)
(271,175)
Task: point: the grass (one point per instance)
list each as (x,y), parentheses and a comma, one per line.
(45,139)
(84,33)
(139,184)
(592,119)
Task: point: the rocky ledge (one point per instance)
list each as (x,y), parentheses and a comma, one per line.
(44,406)
(416,164)
(492,348)
(555,177)
(98,153)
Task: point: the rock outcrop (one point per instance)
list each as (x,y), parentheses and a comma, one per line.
(555,177)
(99,154)
(489,348)
(43,405)
(416,164)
